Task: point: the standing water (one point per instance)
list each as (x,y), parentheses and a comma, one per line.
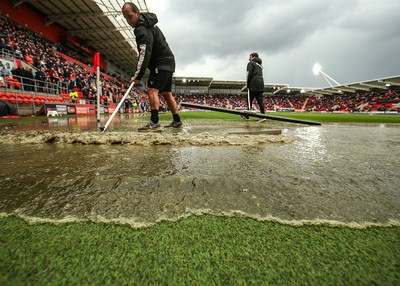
(64,169)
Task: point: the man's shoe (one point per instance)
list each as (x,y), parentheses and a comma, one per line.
(261,120)
(244,117)
(150,127)
(174,124)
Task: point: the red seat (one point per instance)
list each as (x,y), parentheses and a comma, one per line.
(26,99)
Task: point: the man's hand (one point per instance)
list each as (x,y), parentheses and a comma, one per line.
(133,79)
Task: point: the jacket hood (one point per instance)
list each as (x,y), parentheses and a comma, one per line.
(147,19)
(258,60)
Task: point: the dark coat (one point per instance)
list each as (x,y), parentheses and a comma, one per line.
(255,80)
(154,52)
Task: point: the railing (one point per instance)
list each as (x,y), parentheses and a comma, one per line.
(8,55)
(27,103)
(17,83)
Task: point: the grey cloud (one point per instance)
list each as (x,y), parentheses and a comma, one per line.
(355,39)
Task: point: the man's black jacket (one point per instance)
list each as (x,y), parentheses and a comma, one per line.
(255,80)
(154,52)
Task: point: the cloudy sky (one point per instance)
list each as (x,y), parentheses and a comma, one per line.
(353,40)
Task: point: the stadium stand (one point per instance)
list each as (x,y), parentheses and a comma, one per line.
(37,71)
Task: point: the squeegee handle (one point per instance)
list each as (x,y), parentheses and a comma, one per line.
(119,105)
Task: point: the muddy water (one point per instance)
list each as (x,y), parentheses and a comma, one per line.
(337,174)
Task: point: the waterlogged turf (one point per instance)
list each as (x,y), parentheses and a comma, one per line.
(203,250)
(337,174)
(311,206)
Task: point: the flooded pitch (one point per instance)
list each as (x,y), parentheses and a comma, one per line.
(336,174)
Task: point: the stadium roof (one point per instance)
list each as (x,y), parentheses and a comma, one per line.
(359,87)
(97,24)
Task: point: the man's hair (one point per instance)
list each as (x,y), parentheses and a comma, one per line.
(133,6)
(254,55)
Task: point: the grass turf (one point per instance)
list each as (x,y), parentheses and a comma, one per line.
(204,250)
(321,117)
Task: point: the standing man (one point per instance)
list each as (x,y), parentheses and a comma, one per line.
(154,54)
(255,83)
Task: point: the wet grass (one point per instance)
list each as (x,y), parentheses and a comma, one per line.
(345,117)
(320,117)
(204,250)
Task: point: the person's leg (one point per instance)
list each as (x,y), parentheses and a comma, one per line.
(260,101)
(153,88)
(172,105)
(250,98)
(154,104)
(160,81)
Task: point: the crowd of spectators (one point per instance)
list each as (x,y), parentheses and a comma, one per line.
(49,68)
(366,102)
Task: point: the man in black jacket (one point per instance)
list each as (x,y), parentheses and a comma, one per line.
(255,83)
(154,54)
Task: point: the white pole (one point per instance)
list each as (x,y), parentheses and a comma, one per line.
(248,98)
(103,129)
(98,93)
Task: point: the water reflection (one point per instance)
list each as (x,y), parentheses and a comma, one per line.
(74,123)
(311,146)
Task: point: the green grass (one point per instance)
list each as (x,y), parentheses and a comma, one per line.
(204,250)
(344,117)
(321,117)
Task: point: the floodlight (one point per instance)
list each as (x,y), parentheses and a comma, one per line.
(316,69)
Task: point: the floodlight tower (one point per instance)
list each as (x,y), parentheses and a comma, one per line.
(317,69)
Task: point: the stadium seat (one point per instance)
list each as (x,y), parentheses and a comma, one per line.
(26,99)
(12,99)
(37,100)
